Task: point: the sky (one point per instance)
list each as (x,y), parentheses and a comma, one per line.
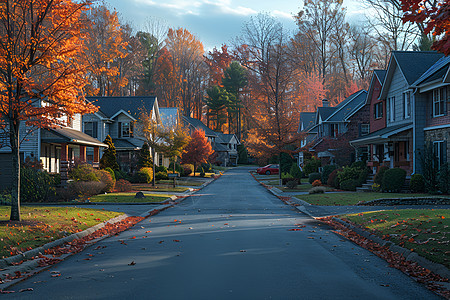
(215,22)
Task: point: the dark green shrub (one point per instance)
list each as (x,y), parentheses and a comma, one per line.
(207,167)
(359,165)
(295,171)
(187,169)
(160,169)
(317,190)
(312,166)
(161,175)
(118,174)
(314,176)
(326,172)
(430,168)
(109,159)
(348,173)
(178,168)
(362,177)
(202,172)
(393,179)
(349,185)
(378,179)
(444,179)
(417,183)
(291,184)
(243,154)
(333,179)
(105,177)
(145,157)
(144,175)
(36,185)
(111,172)
(83,172)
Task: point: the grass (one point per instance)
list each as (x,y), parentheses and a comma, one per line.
(351,198)
(159,188)
(41,225)
(425,231)
(183,182)
(127,198)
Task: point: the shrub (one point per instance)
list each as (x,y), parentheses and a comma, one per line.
(83,172)
(333,179)
(178,167)
(202,172)
(444,179)
(106,178)
(348,173)
(379,175)
(160,169)
(161,175)
(188,169)
(393,179)
(376,187)
(111,172)
(317,182)
(144,175)
(417,183)
(362,177)
(313,177)
(349,185)
(207,167)
(291,184)
(317,190)
(123,185)
(295,171)
(327,171)
(86,189)
(359,165)
(36,185)
(286,175)
(118,174)
(312,166)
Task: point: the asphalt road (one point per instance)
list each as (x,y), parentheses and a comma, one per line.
(230,241)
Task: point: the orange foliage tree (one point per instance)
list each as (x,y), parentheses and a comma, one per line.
(218,61)
(41,75)
(166,81)
(198,150)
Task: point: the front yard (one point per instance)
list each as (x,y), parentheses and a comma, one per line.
(128,198)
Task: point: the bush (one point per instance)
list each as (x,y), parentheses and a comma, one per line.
(188,169)
(295,171)
(83,172)
(118,174)
(123,185)
(362,177)
(86,189)
(291,184)
(359,165)
(144,175)
(36,185)
(286,175)
(378,179)
(333,180)
(284,181)
(202,172)
(161,175)
(111,172)
(444,179)
(393,179)
(312,166)
(317,183)
(417,184)
(349,185)
(207,167)
(106,178)
(317,190)
(160,169)
(327,171)
(313,177)
(376,187)
(348,173)
(178,167)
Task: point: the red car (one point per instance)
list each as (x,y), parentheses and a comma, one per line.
(268,170)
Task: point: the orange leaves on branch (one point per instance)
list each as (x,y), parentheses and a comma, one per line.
(198,150)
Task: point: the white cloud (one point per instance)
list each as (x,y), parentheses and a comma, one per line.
(281,14)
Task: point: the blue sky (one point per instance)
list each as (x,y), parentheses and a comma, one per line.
(214,22)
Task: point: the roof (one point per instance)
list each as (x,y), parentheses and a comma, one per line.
(415,63)
(325,112)
(69,135)
(128,144)
(384,133)
(109,106)
(220,148)
(197,124)
(169,116)
(225,138)
(349,106)
(378,75)
(307,119)
(435,72)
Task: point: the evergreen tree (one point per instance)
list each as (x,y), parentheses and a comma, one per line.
(109,159)
(145,158)
(217,100)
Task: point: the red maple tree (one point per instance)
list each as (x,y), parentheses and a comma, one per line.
(198,150)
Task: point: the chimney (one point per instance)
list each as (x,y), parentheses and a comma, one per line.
(325,103)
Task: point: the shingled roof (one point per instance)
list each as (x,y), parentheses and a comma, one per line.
(435,72)
(109,106)
(307,119)
(415,63)
(197,124)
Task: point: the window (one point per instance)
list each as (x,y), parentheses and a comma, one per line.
(439,149)
(333,130)
(438,102)
(365,129)
(391,109)
(91,128)
(126,129)
(406,105)
(378,110)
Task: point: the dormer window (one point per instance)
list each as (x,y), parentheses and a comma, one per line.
(438,102)
(125,129)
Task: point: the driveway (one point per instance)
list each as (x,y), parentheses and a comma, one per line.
(232,240)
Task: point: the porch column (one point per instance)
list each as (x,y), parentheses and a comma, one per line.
(64,162)
(96,159)
(83,153)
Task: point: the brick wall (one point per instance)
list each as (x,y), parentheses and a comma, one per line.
(376,124)
(439,135)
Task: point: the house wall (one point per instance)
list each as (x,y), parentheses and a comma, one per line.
(436,121)
(114,127)
(419,112)
(442,134)
(101,134)
(376,124)
(397,87)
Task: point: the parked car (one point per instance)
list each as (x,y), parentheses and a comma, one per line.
(268,170)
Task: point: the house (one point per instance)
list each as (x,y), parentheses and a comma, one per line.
(170,119)
(403,109)
(305,126)
(335,126)
(118,117)
(56,148)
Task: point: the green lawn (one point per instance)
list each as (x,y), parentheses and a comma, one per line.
(127,198)
(159,188)
(424,230)
(41,225)
(182,182)
(351,198)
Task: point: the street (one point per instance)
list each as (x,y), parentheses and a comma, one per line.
(232,240)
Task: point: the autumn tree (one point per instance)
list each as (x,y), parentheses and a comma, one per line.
(167,83)
(173,143)
(218,61)
(198,150)
(41,74)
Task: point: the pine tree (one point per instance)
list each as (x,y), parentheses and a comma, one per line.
(109,159)
(145,158)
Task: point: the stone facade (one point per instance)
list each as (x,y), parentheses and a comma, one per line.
(442,134)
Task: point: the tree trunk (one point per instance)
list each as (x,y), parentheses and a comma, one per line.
(195,168)
(279,169)
(15,187)
(154,164)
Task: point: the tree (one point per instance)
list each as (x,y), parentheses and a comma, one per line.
(149,125)
(434,16)
(217,100)
(218,61)
(109,159)
(173,143)
(39,46)
(198,150)
(145,158)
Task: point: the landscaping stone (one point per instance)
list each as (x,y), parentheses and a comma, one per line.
(139,195)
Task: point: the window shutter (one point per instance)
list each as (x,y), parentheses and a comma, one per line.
(119,134)
(94,129)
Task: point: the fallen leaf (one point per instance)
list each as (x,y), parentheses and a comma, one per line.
(176,241)
(132,263)
(26,290)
